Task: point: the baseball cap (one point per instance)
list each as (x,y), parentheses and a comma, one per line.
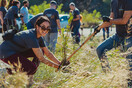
(73,4)
(53,2)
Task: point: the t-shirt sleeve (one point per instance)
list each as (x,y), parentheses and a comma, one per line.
(77,12)
(41,42)
(22,11)
(128,5)
(57,15)
(15,10)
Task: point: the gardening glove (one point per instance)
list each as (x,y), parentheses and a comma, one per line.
(106,19)
(63,63)
(96,30)
(66,63)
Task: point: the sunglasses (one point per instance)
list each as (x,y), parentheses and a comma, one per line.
(44,28)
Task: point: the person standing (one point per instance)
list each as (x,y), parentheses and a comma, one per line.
(11,15)
(107,31)
(53,15)
(75,22)
(3,11)
(24,12)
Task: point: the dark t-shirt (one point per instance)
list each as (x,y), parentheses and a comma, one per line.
(53,15)
(27,38)
(11,13)
(33,20)
(75,13)
(3,10)
(118,7)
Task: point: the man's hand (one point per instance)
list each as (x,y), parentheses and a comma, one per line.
(96,30)
(106,19)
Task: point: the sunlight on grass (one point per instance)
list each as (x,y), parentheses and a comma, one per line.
(84,71)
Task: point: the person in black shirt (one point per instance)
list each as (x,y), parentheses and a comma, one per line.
(75,23)
(31,44)
(52,36)
(121,13)
(11,15)
(3,11)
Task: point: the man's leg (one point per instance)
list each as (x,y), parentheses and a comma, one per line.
(108,32)
(53,41)
(104,33)
(76,33)
(107,45)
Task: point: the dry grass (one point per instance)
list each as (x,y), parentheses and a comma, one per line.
(83,72)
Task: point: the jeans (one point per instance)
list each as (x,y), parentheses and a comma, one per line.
(107,31)
(51,40)
(113,42)
(75,33)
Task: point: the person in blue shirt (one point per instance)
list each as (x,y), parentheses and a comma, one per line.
(24,12)
(75,23)
(11,15)
(30,43)
(53,15)
(3,11)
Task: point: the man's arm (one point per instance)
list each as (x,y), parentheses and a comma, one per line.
(58,24)
(124,20)
(106,24)
(39,54)
(77,18)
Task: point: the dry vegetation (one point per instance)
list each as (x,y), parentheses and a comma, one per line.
(83,72)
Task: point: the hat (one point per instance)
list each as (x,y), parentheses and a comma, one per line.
(73,4)
(53,2)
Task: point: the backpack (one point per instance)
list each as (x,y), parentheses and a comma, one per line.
(9,34)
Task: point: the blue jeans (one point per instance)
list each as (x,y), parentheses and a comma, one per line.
(51,40)
(29,25)
(107,31)
(75,33)
(113,42)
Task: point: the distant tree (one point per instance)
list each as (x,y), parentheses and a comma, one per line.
(35,9)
